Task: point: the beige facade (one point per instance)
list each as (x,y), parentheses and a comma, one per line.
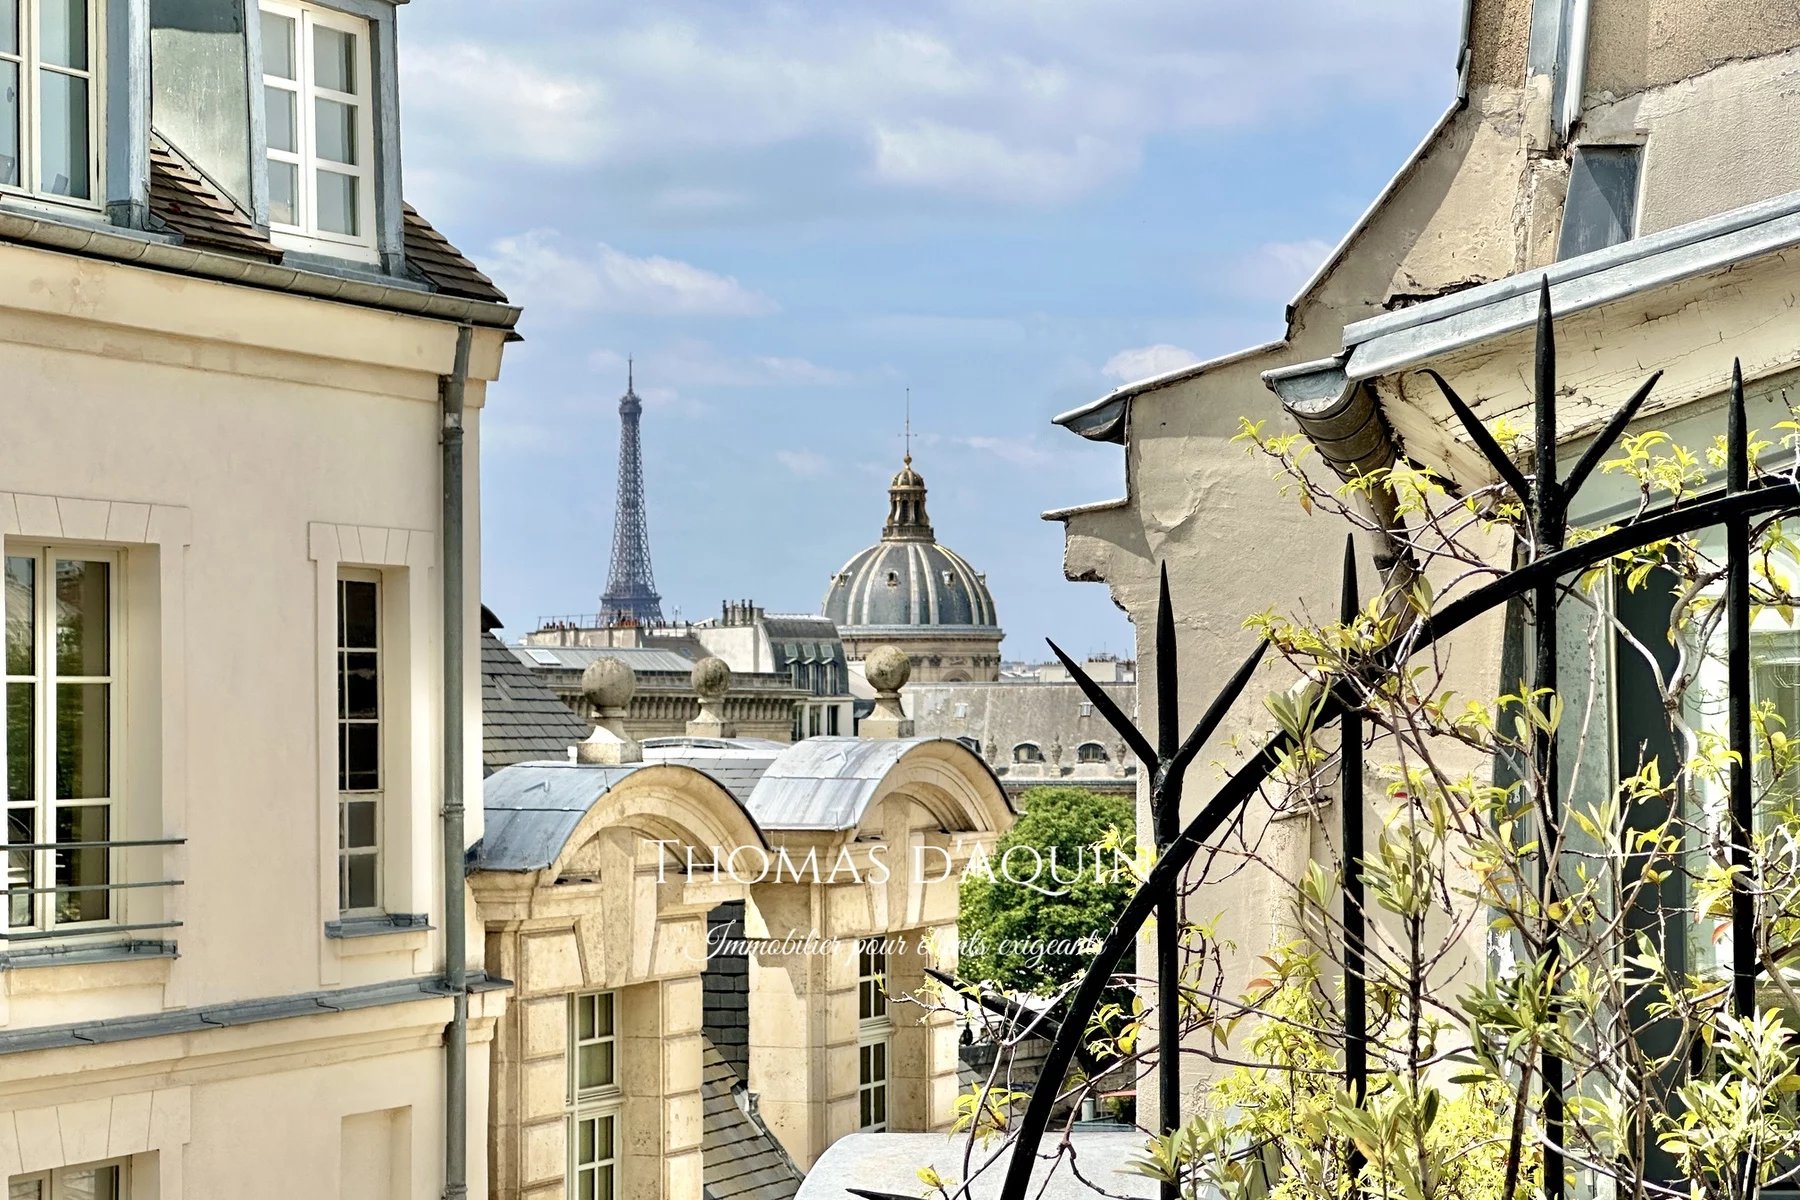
(141,403)
(595,888)
(1699,97)
(223,957)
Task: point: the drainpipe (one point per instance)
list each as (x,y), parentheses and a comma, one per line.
(1574,69)
(456,1036)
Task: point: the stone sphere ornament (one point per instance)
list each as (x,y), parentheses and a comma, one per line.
(711,677)
(608,683)
(887,668)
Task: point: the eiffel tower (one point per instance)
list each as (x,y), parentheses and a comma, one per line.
(630,597)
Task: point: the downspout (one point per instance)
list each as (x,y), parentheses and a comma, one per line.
(456,1037)
(1574,67)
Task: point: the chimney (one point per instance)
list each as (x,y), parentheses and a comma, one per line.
(609,685)
(711,678)
(887,669)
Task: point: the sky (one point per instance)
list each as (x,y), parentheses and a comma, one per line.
(791,213)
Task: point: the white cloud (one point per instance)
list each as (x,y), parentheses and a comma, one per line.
(1129,366)
(1277,270)
(803,463)
(1009,101)
(537,267)
(1020,452)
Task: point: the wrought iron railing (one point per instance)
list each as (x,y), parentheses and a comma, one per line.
(1546,560)
(47,929)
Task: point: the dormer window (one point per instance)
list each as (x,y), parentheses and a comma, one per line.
(318,120)
(49,109)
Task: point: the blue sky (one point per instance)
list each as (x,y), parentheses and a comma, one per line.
(789,213)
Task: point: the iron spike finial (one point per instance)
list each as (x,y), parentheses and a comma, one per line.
(1484,441)
(1351,605)
(1607,436)
(1168,679)
(1737,434)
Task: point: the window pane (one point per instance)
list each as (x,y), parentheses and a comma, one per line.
(605,1137)
(879,1095)
(21,615)
(1601,209)
(83,749)
(278,46)
(82,589)
(21,743)
(9,26)
(589,1188)
(362,758)
(359,824)
(25,1189)
(360,883)
(334,131)
(334,59)
(278,119)
(603,1183)
(361,687)
(586,1141)
(585,1019)
(337,203)
(63,135)
(596,1066)
(62,32)
(9,123)
(284,188)
(95,1183)
(359,602)
(83,868)
(603,1015)
(21,865)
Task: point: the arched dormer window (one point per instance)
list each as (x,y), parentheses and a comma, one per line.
(1091,752)
(1027,752)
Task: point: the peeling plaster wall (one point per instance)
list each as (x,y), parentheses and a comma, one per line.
(1639,44)
(1712,143)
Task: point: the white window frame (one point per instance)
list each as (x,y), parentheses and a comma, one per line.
(378,794)
(51,1184)
(874,1032)
(602,1102)
(30,64)
(305,234)
(42,918)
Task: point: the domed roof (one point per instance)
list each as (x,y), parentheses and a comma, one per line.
(906,580)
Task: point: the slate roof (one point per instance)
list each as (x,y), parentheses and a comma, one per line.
(578,658)
(738,764)
(186,202)
(531,809)
(741,1158)
(725,988)
(827,782)
(522,720)
(191,205)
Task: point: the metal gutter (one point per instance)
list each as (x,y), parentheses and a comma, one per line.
(1103,420)
(240,1012)
(1393,341)
(456,1035)
(147,250)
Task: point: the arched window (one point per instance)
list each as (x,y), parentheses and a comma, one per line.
(1027,752)
(1091,752)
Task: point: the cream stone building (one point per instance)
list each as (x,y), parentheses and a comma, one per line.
(642,1058)
(236,371)
(1636,153)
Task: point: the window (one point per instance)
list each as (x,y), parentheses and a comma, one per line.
(874,1033)
(99,1181)
(49,110)
(318,117)
(1027,752)
(359,721)
(1601,210)
(831,721)
(1090,752)
(594,1097)
(62,635)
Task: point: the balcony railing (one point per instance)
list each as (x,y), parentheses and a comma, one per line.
(28,919)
